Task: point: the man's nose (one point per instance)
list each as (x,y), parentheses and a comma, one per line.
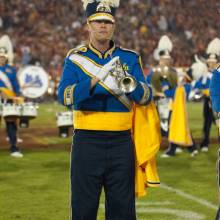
(103,24)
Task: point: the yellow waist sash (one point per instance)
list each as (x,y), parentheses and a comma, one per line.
(105,121)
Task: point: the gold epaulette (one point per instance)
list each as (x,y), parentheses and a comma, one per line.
(81,48)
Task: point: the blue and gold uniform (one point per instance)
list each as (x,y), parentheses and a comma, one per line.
(104,103)
(103,122)
(108,122)
(103,154)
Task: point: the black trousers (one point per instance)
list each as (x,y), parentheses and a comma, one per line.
(102,159)
(208,120)
(11,129)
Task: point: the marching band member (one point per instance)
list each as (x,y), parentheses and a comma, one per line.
(9,90)
(102,151)
(179,131)
(203,84)
(164,69)
(171,100)
(215,98)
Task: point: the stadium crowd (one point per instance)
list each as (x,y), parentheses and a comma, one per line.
(43,31)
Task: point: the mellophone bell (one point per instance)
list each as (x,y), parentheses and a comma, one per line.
(164,73)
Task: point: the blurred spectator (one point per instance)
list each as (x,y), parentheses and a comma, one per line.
(45,34)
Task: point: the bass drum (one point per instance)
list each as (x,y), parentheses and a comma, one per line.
(33,81)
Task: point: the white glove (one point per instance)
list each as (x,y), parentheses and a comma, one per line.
(104,71)
(191,95)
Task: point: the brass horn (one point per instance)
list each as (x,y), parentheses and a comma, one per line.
(126,83)
(164,72)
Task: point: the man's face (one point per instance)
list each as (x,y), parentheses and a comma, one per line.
(101,30)
(3,60)
(165,61)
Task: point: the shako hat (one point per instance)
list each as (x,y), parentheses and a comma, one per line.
(100,9)
(213,50)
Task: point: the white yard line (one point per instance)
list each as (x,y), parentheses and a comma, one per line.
(144,208)
(189,197)
(143,203)
(179,214)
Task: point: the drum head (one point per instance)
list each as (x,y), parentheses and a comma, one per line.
(33,81)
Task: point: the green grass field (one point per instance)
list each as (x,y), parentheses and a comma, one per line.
(36,187)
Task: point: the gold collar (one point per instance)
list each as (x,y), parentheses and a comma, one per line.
(106,53)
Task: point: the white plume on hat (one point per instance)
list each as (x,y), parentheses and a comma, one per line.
(214,47)
(112,3)
(199,68)
(164,44)
(7,44)
(86,2)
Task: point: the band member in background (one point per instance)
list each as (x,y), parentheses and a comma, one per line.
(9,91)
(203,84)
(164,80)
(164,69)
(102,152)
(179,130)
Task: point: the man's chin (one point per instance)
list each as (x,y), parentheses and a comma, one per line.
(103,40)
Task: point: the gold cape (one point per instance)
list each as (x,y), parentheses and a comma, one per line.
(179,132)
(147,138)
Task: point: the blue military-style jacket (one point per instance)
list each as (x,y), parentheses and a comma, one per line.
(103,107)
(203,84)
(8,79)
(215,90)
(170,92)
